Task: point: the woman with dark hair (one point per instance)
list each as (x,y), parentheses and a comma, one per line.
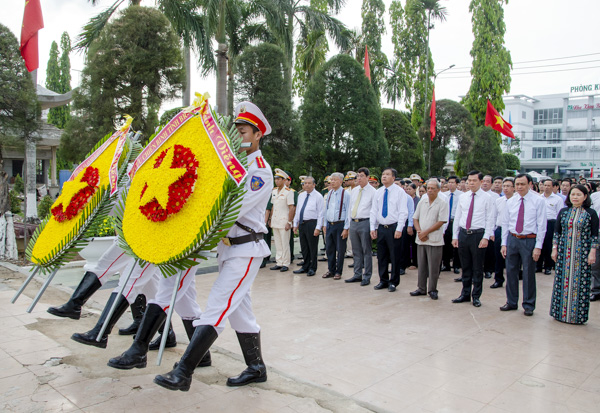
(574,250)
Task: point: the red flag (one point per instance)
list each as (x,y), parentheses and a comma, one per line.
(592,173)
(432,115)
(32,22)
(496,122)
(367,67)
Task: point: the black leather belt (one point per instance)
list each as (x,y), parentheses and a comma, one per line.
(244,239)
(359,219)
(306,221)
(388,226)
(472,231)
(335,222)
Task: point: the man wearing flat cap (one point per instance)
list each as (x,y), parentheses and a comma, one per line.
(282,216)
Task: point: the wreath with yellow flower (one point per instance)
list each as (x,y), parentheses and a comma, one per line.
(80,210)
(181,198)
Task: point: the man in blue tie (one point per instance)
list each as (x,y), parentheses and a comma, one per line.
(389,212)
(308,222)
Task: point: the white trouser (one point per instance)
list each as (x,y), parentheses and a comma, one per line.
(185,303)
(230,296)
(282,246)
(113,261)
(142,281)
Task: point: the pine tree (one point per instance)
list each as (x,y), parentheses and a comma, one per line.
(58,79)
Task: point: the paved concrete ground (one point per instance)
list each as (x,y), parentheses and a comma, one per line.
(329,346)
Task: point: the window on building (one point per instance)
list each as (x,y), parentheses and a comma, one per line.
(545,153)
(523,115)
(547,116)
(577,114)
(548,135)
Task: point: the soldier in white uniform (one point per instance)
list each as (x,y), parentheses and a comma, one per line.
(239,263)
(282,215)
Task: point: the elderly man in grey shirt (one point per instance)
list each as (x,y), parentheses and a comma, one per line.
(429,218)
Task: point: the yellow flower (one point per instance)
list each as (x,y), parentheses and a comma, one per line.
(158,242)
(54,232)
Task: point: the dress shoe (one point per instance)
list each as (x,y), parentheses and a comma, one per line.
(353,280)
(444,268)
(476,302)
(328,275)
(310,273)
(401,271)
(538,270)
(496,284)
(337,277)
(364,282)
(381,286)
(457,271)
(322,259)
(350,265)
(300,271)
(595,297)
(487,274)
(508,307)
(416,293)
(284,269)
(276,267)
(528,312)
(433,295)
(263,265)
(392,288)
(300,264)
(458,280)
(547,271)
(461,299)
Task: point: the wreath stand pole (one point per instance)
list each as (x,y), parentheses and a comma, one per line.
(27,281)
(42,290)
(167,325)
(114,305)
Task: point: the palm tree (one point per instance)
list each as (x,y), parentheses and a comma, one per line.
(395,83)
(187,23)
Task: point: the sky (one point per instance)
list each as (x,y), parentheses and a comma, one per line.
(536,30)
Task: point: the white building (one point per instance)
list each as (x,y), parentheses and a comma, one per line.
(558,133)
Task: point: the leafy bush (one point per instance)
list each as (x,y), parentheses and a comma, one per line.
(106,228)
(43,208)
(19,185)
(15,202)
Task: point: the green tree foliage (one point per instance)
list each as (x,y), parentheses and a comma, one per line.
(511,161)
(52,69)
(19,185)
(373,27)
(406,149)
(18,100)
(58,79)
(43,208)
(342,119)
(486,154)
(260,78)
(454,124)
(133,66)
(491,60)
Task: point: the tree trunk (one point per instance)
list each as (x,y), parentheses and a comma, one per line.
(230,88)
(222,78)
(186,96)
(30,187)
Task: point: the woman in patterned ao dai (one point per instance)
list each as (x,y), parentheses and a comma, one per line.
(574,250)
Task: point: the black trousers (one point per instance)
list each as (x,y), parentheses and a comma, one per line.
(402,253)
(335,247)
(309,244)
(471,258)
(449,252)
(387,246)
(489,261)
(545,262)
(500,262)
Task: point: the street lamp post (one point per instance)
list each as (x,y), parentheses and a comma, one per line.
(425,113)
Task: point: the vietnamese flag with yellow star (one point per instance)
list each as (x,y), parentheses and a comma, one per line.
(496,122)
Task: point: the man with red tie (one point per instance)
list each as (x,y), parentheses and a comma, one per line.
(474,224)
(523,232)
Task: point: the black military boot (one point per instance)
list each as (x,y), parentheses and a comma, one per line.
(89,337)
(137,312)
(171,339)
(180,378)
(256,371)
(72,309)
(135,356)
(189,329)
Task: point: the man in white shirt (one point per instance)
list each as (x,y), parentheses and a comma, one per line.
(337,217)
(389,212)
(489,262)
(429,218)
(523,231)
(565,187)
(451,253)
(508,188)
(554,204)
(308,221)
(475,225)
(361,201)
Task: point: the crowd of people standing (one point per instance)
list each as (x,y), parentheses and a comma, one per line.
(478,226)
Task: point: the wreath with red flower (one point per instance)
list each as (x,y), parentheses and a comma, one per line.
(84,189)
(179,191)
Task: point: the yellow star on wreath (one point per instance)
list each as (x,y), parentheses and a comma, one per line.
(159,188)
(499,121)
(70,189)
